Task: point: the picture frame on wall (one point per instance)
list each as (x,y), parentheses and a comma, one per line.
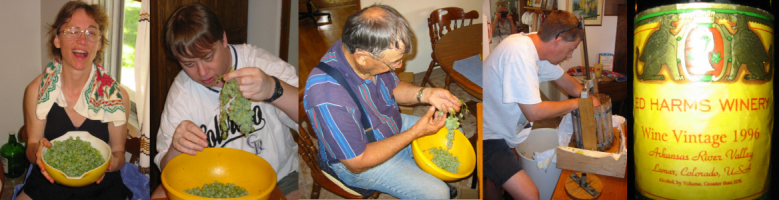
(537,3)
(550,4)
(587,8)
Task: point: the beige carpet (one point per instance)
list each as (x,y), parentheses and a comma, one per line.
(469,129)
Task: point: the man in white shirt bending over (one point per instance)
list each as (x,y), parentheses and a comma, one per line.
(512,74)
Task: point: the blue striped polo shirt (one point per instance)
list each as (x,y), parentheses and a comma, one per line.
(336,118)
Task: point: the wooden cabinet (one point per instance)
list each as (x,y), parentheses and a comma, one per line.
(525,8)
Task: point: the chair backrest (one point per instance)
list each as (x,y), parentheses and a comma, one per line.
(444,20)
(132,145)
(309,152)
(306,147)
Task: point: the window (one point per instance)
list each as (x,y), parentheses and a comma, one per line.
(132,9)
(119,56)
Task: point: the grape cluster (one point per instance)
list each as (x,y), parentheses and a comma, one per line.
(218,190)
(453,122)
(239,109)
(73,157)
(444,159)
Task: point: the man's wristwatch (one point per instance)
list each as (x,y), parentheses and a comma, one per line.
(277,92)
(419,95)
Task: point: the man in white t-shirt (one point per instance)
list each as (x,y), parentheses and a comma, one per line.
(190,120)
(512,74)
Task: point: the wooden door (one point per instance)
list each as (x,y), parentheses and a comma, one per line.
(621,43)
(232,14)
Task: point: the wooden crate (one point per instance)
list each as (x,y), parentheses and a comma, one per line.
(612,162)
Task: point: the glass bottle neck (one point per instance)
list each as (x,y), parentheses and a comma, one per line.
(11,139)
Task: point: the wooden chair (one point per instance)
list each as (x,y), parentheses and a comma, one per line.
(309,152)
(440,22)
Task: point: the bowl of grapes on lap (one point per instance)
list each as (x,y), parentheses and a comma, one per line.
(218,173)
(447,154)
(76,158)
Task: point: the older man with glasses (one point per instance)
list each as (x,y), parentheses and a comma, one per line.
(352,100)
(512,74)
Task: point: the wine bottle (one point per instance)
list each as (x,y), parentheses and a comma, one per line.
(699,67)
(13,157)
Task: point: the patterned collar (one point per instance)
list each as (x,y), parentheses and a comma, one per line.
(100,99)
(346,69)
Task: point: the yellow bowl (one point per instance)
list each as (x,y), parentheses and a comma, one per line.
(88,177)
(461,148)
(225,165)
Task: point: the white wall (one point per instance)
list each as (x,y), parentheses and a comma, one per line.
(416,13)
(48,11)
(264,25)
(600,39)
(20,59)
(294,33)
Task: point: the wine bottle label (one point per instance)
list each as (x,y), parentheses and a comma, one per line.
(703,106)
(5,164)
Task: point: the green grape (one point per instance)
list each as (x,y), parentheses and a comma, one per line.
(453,122)
(73,157)
(239,109)
(442,157)
(218,190)
(445,160)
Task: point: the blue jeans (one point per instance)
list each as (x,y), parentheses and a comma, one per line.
(399,176)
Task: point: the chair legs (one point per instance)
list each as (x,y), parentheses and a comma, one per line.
(426,80)
(375,195)
(448,81)
(313,13)
(315,191)
(317,13)
(474,143)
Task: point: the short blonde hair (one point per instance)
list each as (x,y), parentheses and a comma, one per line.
(501,4)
